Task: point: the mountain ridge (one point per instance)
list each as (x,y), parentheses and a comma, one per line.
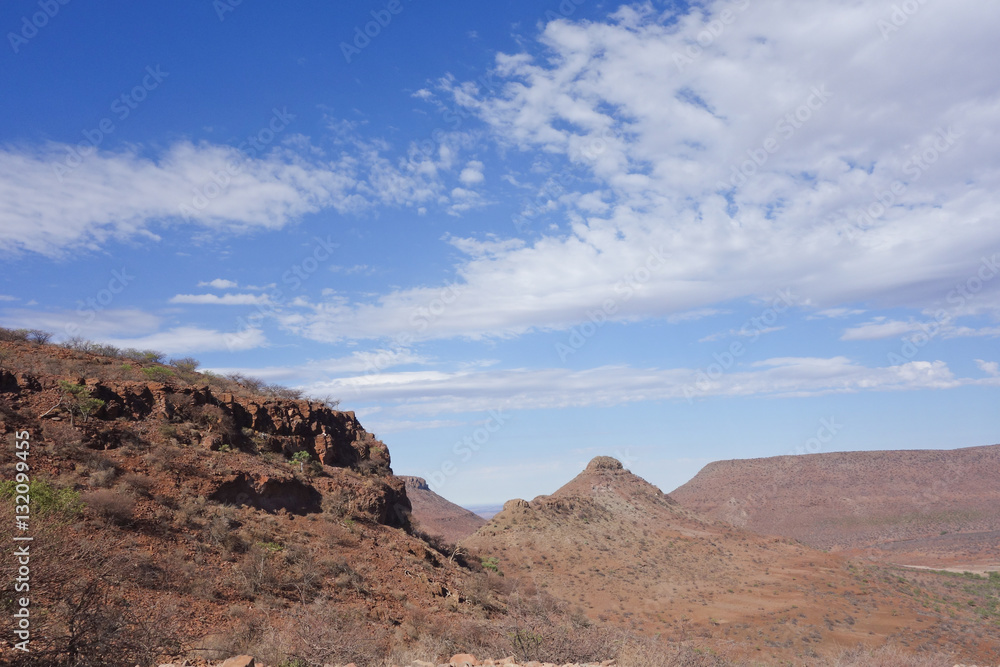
(901,504)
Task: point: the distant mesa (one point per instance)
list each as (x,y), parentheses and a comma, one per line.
(418,483)
(937,508)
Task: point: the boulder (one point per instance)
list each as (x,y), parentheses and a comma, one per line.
(240,661)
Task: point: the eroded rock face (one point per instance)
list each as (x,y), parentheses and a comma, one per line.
(332,437)
(515,504)
(269,493)
(18,381)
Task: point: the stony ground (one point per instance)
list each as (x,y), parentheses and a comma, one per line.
(466,660)
(459,660)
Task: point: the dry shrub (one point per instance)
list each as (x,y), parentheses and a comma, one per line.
(85,587)
(222,532)
(890,655)
(316,634)
(319,634)
(636,651)
(113,507)
(139,484)
(102,479)
(271,571)
(337,503)
(66,440)
(539,627)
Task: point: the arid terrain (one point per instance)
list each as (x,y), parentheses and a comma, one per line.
(920,507)
(630,556)
(179,515)
(437,516)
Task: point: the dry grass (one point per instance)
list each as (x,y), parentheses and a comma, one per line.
(890,656)
(111,506)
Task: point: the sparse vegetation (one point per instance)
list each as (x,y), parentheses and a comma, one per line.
(114,507)
(301,458)
(77,397)
(46,500)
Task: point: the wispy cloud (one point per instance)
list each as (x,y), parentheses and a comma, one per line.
(187,339)
(224,300)
(127,194)
(219,283)
(434,392)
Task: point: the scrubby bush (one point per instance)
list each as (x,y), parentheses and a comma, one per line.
(159,373)
(14,335)
(38,336)
(45,499)
(79,400)
(186,364)
(113,507)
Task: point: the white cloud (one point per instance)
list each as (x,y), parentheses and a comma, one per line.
(7,297)
(432,392)
(47,208)
(989,367)
(132,328)
(464,200)
(349,270)
(877,330)
(187,340)
(97,325)
(224,300)
(745,332)
(219,283)
(698,314)
(369,362)
(492,246)
(120,195)
(472,174)
(836,313)
(397,426)
(607,103)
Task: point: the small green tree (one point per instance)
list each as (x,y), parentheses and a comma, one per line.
(185,364)
(79,400)
(301,458)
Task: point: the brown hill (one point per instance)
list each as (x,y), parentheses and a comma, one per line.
(921,507)
(187,515)
(437,516)
(631,556)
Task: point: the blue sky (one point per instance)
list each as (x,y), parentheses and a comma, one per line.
(513,236)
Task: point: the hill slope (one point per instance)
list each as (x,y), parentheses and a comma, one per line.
(175,513)
(438,516)
(922,507)
(632,556)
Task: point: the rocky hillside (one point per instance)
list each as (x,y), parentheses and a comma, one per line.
(183,514)
(437,516)
(628,555)
(922,507)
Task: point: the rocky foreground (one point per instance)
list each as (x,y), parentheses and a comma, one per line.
(459,660)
